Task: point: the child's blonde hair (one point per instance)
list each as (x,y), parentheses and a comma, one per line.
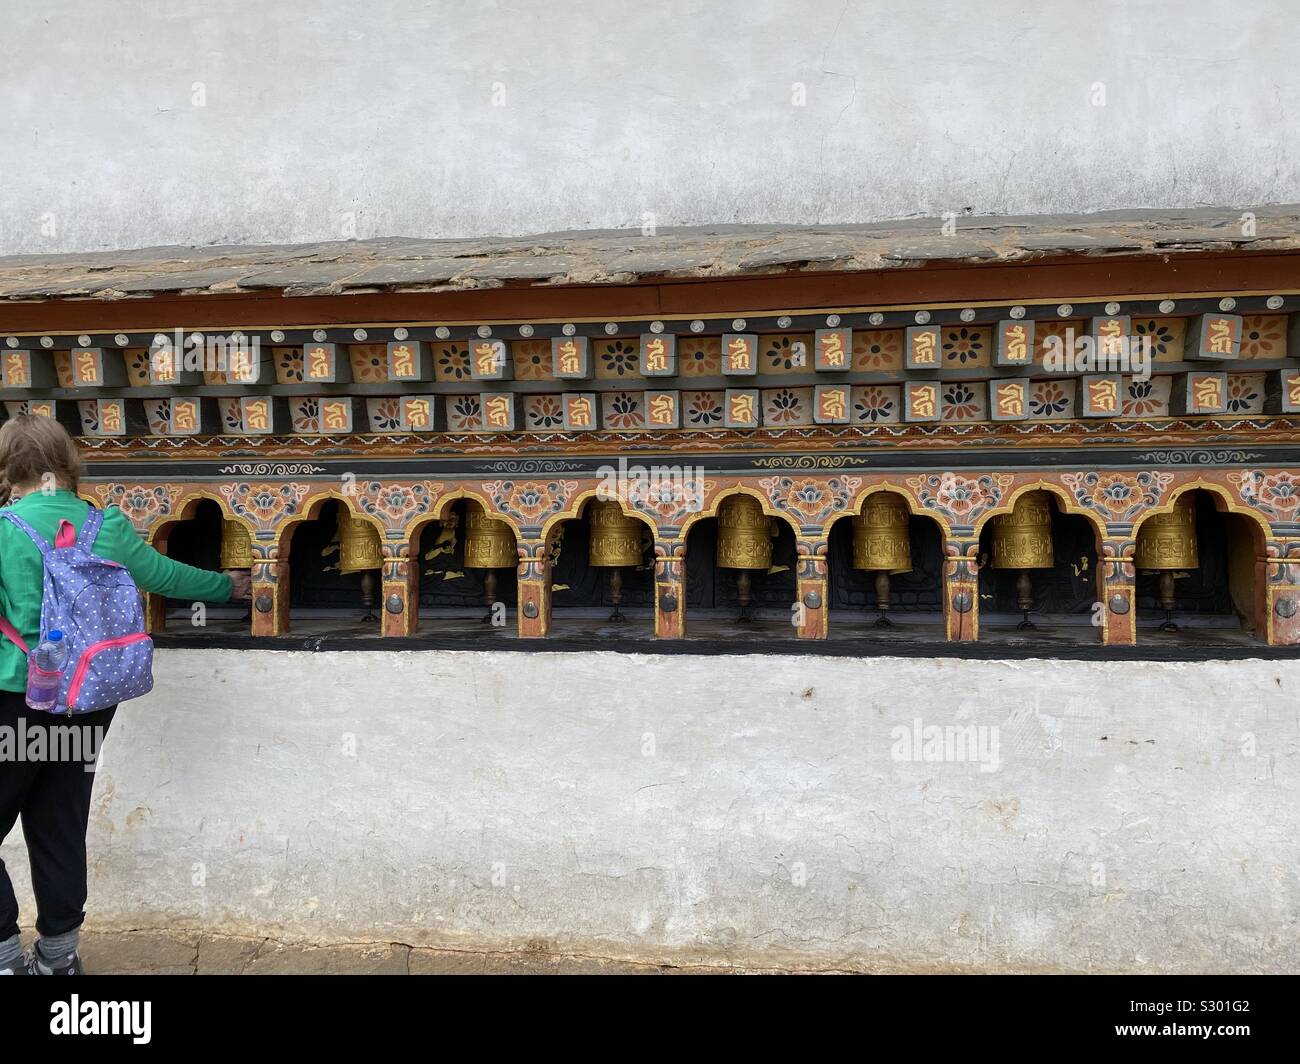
(32,448)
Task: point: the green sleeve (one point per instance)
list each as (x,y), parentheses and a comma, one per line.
(118,541)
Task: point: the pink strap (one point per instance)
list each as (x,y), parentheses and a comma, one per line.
(8,630)
(66,535)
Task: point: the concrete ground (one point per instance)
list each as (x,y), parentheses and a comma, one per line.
(194,953)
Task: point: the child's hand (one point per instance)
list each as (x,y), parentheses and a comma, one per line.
(241,585)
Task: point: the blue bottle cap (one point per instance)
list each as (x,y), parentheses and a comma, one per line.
(56,635)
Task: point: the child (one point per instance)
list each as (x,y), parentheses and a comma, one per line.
(39,473)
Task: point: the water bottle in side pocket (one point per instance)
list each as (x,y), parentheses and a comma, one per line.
(45,668)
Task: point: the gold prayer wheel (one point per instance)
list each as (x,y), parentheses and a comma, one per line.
(616,539)
(359,547)
(1168,541)
(617,542)
(880,538)
(1165,543)
(881,543)
(745,534)
(745,537)
(1022,539)
(360,552)
(489,543)
(236,546)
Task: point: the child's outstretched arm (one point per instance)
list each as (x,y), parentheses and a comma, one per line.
(156,573)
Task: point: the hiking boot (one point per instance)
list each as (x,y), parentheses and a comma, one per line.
(69,965)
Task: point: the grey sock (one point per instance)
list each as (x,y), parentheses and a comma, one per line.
(57,947)
(11,951)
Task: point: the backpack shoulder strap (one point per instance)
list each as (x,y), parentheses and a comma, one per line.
(32,534)
(11,633)
(90,528)
(7,629)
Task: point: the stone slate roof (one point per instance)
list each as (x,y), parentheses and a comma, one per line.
(400,264)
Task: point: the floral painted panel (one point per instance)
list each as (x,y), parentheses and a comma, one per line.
(1165,334)
(369,363)
(544,413)
(463,414)
(622,410)
(702,410)
(1045,331)
(304,414)
(63,368)
(1052,399)
(1263,336)
(158,413)
(699,356)
(385,414)
(967,347)
(1246,393)
(785,352)
(532,359)
(877,350)
(88,410)
(876,404)
(288,364)
(231,419)
(136,360)
(965,401)
(1149,398)
(617,360)
(451,362)
(784,407)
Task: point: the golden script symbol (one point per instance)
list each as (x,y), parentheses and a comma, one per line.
(738,353)
(417,413)
(661,409)
(1104,396)
(1220,337)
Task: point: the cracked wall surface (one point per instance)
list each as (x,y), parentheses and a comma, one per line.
(736,809)
(129,124)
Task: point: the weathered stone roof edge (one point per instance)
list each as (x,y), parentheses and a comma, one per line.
(400,264)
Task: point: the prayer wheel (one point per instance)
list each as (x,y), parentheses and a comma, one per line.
(490,545)
(360,552)
(745,537)
(617,542)
(1166,543)
(1022,540)
(881,543)
(236,546)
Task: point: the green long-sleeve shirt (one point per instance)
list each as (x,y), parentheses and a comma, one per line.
(22,570)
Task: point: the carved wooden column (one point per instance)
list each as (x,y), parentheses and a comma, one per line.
(670,591)
(811,615)
(155,606)
(155,613)
(401,596)
(961,613)
(534,589)
(1117,617)
(1281,582)
(270,578)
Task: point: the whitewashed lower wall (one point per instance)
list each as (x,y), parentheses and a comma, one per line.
(751,809)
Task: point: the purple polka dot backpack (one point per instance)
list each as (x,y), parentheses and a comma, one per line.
(95,604)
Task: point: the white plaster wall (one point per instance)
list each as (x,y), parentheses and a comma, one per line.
(745,808)
(326,119)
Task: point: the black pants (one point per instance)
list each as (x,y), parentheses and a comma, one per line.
(52,796)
